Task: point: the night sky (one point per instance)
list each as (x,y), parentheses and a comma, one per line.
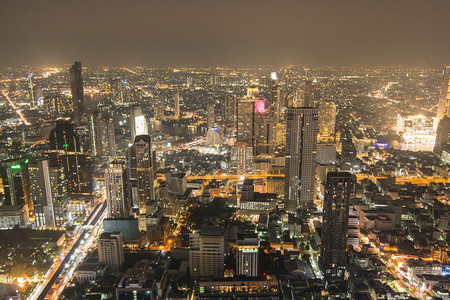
(229,32)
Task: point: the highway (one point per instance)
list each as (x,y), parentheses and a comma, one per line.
(5,94)
(86,238)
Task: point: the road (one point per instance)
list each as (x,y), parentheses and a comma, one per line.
(399,180)
(5,94)
(70,262)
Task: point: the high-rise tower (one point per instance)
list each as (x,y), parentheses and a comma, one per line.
(117,192)
(76,81)
(141,162)
(336,205)
(444,95)
(210,115)
(176,99)
(48,193)
(301,147)
(327,118)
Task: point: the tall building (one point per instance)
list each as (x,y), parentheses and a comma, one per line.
(300,166)
(76,80)
(311,94)
(228,109)
(16,186)
(327,118)
(142,169)
(254,123)
(138,122)
(117,191)
(336,205)
(101,135)
(176,104)
(241,158)
(442,135)
(210,116)
(277,102)
(66,150)
(110,250)
(159,108)
(247,255)
(206,252)
(48,193)
(444,94)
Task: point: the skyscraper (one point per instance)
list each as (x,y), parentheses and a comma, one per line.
(442,135)
(254,123)
(159,107)
(300,166)
(228,108)
(141,162)
(138,122)
(117,192)
(336,205)
(110,250)
(210,116)
(48,194)
(76,81)
(66,151)
(276,101)
(327,118)
(444,94)
(241,158)
(16,186)
(101,135)
(176,104)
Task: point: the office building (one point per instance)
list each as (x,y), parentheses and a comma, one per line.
(247,256)
(442,135)
(254,123)
(277,102)
(159,108)
(444,94)
(327,118)
(76,80)
(336,206)
(210,116)
(16,186)
(241,158)
(228,109)
(101,135)
(110,250)
(176,104)
(48,188)
(138,122)
(66,151)
(117,191)
(141,163)
(300,165)
(206,252)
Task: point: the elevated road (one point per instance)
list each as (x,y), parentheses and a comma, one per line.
(86,231)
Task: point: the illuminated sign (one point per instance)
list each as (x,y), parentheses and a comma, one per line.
(15,167)
(381,145)
(260,106)
(140,127)
(445,270)
(273,75)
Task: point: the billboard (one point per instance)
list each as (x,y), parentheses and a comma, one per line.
(260,106)
(140,125)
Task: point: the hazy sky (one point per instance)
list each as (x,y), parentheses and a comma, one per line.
(233,32)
